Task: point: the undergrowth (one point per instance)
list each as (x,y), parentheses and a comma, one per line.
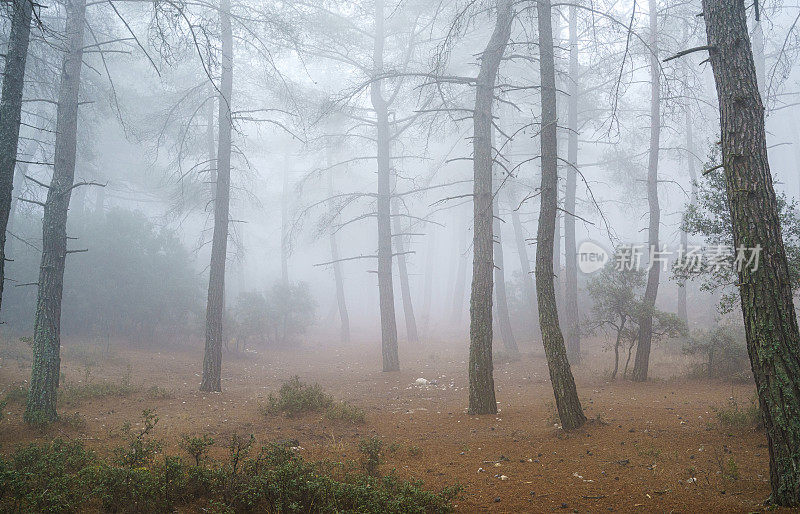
(296,397)
(740,415)
(64,476)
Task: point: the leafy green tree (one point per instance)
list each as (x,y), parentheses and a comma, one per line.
(618,307)
(279,317)
(710,219)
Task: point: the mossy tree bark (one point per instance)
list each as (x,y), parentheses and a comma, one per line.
(41,403)
(641,363)
(10,114)
(773,341)
(481,379)
(215,308)
(572,326)
(566,395)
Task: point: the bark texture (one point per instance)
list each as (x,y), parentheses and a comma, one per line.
(481,379)
(566,395)
(773,341)
(571,324)
(641,363)
(10,114)
(391,360)
(215,308)
(41,402)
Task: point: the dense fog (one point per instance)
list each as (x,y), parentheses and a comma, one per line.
(226,180)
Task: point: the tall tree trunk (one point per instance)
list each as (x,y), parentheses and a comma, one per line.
(570,246)
(215,308)
(41,403)
(10,114)
(461,277)
(391,360)
(285,225)
(773,341)
(503,321)
(566,395)
(428,287)
(341,300)
(405,288)
(691,162)
(642,362)
(525,263)
(481,379)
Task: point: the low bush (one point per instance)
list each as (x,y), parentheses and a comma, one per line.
(65,477)
(296,397)
(740,415)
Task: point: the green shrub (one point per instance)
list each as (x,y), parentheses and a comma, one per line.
(45,478)
(296,397)
(141,448)
(371,455)
(64,477)
(736,415)
(73,394)
(197,447)
(18,395)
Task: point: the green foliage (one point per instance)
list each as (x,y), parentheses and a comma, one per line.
(724,349)
(296,397)
(197,447)
(737,415)
(137,280)
(64,477)
(619,306)
(45,478)
(371,455)
(141,447)
(73,394)
(278,317)
(709,217)
(18,394)
(3,404)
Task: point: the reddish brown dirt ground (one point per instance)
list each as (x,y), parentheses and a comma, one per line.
(654,447)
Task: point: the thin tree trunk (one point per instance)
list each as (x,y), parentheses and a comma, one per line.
(572,326)
(525,263)
(215,308)
(41,402)
(391,360)
(285,225)
(503,321)
(405,288)
(341,300)
(428,287)
(566,395)
(642,362)
(481,379)
(773,340)
(211,145)
(691,161)
(10,114)
(461,278)
(617,344)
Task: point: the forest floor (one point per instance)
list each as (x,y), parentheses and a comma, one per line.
(653,447)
